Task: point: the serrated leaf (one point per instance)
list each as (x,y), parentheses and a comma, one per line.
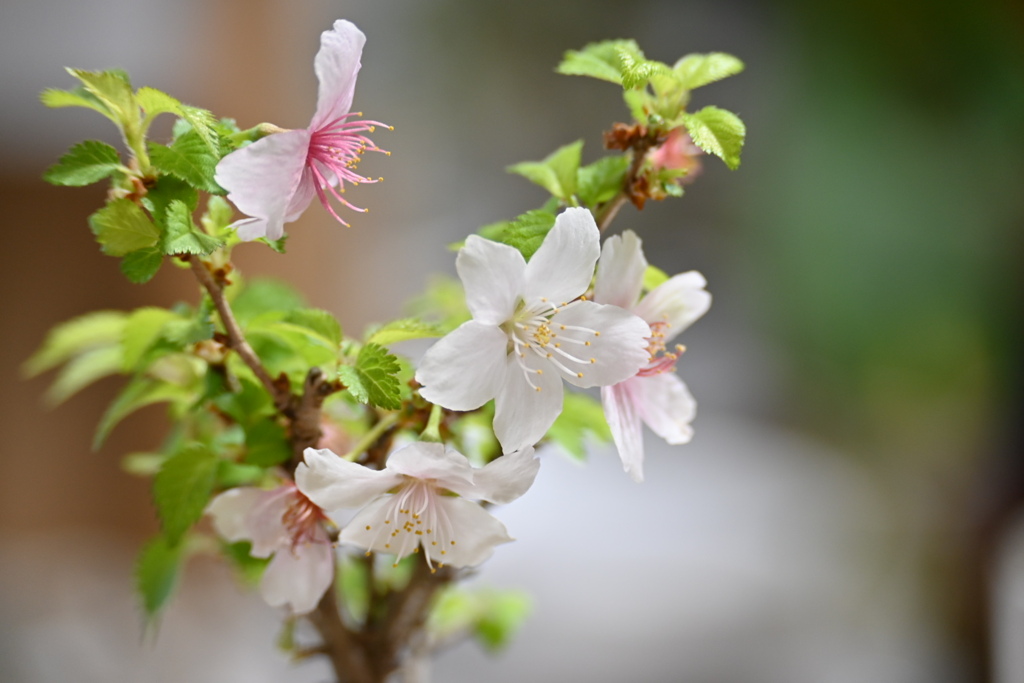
(83,370)
(372,379)
(204,123)
(141,265)
(181,236)
(85,163)
(600,181)
(404,330)
(156,573)
(188,158)
(717,131)
(556,173)
(527,232)
(599,60)
(266,444)
(121,227)
(166,190)
(696,70)
(182,488)
(637,71)
(319,322)
(140,392)
(582,417)
(76,336)
(79,97)
(113,89)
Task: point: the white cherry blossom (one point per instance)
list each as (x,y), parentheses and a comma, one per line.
(407,506)
(285,524)
(530,331)
(654,395)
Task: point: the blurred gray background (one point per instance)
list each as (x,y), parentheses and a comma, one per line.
(850,508)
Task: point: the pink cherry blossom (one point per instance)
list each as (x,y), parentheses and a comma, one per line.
(285,524)
(409,506)
(530,331)
(274,179)
(654,396)
(678,152)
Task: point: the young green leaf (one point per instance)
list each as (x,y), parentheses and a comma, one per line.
(181,236)
(182,488)
(403,330)
(717,131)
(600,181)
(373,378)
(696,70)
(556,173)
(317,321)
(581,417)
(141,265)
(83,370)
(142,329)
(599,60)
(654,277)
(527,232)
(188,158)
(121,227)
(266,444)
(165,190)
(140,392)
(156,573)
(637,71)
(113,89)
(78,97)
(85,333)
(85,163)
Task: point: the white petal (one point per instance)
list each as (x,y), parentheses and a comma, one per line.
(298,578)
(367,530)
(265,521)
(262,178)
(617,343)
(620,271)
(678,302)
(492,275)
(667,406)
(336,65)
(507,478)
(229,510)
(334,483)
(624,422)
(424,460)
(465,368)
(561,269)
(475,533)
(522,414)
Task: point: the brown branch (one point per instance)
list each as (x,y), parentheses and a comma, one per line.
(339,644)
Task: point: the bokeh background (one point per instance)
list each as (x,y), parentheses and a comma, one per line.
(850,509)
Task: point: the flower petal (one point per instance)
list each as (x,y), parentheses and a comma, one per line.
(612,337)
(334,483)
(666,405)
(299,577)
(561,269)
(424,460)
(262,178)
(465,368)
(229,511)
(624,421)
(492,275)
(475,533)
(620,271)
(336,65)
(506,478)
(522,414)
(265,521)
(678,302)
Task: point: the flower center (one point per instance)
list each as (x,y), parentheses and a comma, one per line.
(302,519)
(535,330)
(661,360)
(334,153)
(413,518)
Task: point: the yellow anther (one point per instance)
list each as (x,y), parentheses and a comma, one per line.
(540,372)
(597,334)
(593,360)
(433,543)
(537,388)
(579,374)
(453,542)
(586,343)
(367,553)
(367,527)
(387,545)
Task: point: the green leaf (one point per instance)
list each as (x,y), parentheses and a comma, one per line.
(600,181)
(372,379)
(141,265)
(182,489)
(696,70)
(245,406)
(155,102)
(166,190)
(503,615)
(76,336)
(249,568)
(113,89)
(654,277)
(318,321)
(189,159)
(218,216)
(140,392)
(266,444)
(527,232)
(231,474)
(491,616)
(717,131)
(403,330)
(181,236)
(85,163)
(79,97)
(581,417)
(354,584)
(156,573)
(599,60)
(637,71)
(556,173)
(83,370)
(203,123)
(265,295)
(142,329)
(121,227)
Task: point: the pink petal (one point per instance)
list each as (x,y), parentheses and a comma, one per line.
(465,368)
(624,421)
(522,414)
(617,343)
(563,266)
(336,65)
(299,577)
(229,511)
(334,483)
(265,521)
(678,302)
(492,275)
(474,530)
(666,405)
(620,271)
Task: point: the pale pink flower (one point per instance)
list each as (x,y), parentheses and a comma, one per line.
(655,395)
(285,524)
(531,330)
(676,153)
(408,506)
(274,179)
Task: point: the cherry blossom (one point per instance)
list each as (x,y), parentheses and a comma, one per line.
(407,506)
(655,395)
(678,153)
(274,179)
(531,329)
(285,524)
